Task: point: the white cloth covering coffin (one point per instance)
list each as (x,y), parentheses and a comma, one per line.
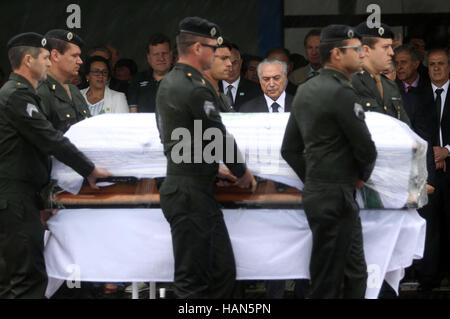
(123,245)
(129,145)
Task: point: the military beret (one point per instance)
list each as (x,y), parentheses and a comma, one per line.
(384,31)
(201,27)
(65,35)
(226,44)
(338,32)
(29,39)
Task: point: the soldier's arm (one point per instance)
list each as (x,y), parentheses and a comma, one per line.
(28,119)
(202,107)
(350,117)
(293,146)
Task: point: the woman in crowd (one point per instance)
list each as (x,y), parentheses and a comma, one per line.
(99,97)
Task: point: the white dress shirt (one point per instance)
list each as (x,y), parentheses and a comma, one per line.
(443,98)
(234,89)
(280,101)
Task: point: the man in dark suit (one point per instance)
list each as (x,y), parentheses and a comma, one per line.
(237,88)
(407,62)
(436,99)
(272,75)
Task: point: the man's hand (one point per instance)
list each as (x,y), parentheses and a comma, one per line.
(430,189)
(360,184)
(441,165)
(228,179)
(46,214)
(247,181)
(97,173)
(440,153)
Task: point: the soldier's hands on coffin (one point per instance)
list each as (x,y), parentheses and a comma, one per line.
(360,184)
(96,174)
(46,214)
(247,181)
(430,189)
(440,153)
(226,177)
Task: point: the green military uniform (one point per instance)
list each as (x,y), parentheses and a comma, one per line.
(59,108)
(328,145)
(27,139)
(370,98)
(204,261)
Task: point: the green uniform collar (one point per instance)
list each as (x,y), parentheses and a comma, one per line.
(335,72)
(21,82)
(59,90)
(190,71)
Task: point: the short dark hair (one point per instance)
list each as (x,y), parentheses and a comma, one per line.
(100,48)
(16,55)
(311,33)
(96,58)
(326,48)
(155,39)
(410,49)
(370,41)
(184,41)
(280,50)
(128,63)
(58,45)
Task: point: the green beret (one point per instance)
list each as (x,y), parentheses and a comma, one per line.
(65,35)
(29,39)
(338,32)
(383,31)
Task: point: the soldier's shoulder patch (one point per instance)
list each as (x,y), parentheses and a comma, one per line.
(208,107)
(359,112)
(31,108)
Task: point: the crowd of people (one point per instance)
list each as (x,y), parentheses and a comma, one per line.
(360,69)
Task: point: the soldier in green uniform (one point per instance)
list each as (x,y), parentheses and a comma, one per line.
(27,139)
(62,102)
(375,91)
(328,145)
(204,260)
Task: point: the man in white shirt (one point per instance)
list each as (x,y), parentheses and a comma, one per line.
(272,75)
(436,99)
(237,88)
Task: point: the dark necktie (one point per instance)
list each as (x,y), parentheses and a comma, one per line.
(438,103)
(230,94)
(275,106)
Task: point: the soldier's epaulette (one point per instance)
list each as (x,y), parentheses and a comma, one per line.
(342,81)
(200,81)
(21,86)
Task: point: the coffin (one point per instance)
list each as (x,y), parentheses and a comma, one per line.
(129,145)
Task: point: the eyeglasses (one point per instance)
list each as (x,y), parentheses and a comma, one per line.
(214,47)
(100,72)
(358,48)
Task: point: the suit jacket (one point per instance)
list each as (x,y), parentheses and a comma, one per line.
(421,123)
(427,100)
(423,82)
(247,90)
(259,105)
(115,102)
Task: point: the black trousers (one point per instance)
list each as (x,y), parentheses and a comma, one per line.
(437,239)
(22,266)
(204,260)
(337,268)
